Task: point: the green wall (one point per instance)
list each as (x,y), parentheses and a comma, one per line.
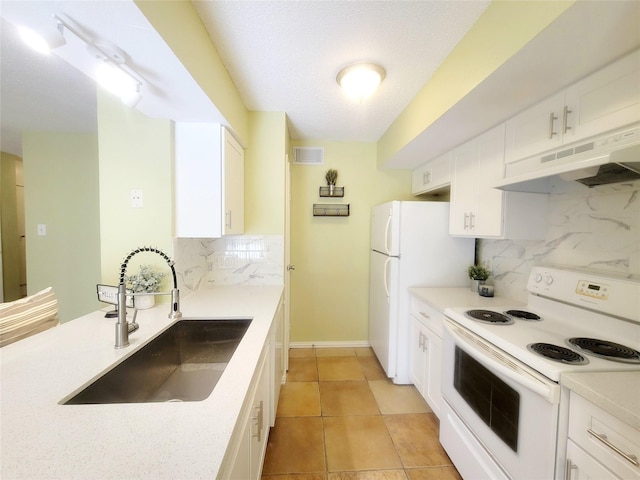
(136,152)
(10,227)
(61,192)
(330,285)
(265,164)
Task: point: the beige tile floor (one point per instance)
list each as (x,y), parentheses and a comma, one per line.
(340,418)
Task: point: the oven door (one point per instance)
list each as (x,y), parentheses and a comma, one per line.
(501,412)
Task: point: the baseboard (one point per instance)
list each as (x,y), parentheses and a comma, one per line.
(357,344)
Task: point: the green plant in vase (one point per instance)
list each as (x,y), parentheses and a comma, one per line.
(478,275)
(146,281)
(331,177)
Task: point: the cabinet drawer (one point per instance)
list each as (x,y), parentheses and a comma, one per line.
(605,437)
(427,315)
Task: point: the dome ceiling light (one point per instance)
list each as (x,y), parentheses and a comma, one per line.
(360,80)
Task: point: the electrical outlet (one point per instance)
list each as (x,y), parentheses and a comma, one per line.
(136,198)
(42,230)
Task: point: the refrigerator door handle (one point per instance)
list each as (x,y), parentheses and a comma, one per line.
(386,283)
(386,235)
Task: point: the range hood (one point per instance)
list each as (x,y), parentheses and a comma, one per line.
(610,158)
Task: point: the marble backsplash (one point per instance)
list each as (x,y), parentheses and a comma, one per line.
(595,228)
(232,260)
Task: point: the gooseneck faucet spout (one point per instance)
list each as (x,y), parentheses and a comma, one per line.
(124,328)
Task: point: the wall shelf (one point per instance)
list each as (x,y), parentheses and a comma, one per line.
(331,210)
(337,192)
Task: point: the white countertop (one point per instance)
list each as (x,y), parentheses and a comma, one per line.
(43,439)
(443,298)
(618,393)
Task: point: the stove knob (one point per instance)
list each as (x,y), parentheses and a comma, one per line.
(548,279)
(537,278)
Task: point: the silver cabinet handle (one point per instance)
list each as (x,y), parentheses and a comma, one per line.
(421,341)
(471,223)
(228,215)
(258,420)
(552,118)
(568,468)
(603,438)
(425,315)
(466,221)
(565,124)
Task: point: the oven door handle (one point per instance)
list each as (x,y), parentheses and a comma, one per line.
(493,359)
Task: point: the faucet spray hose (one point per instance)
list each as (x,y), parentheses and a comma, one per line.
(123,266)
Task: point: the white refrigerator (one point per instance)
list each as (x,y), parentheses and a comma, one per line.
(410,247)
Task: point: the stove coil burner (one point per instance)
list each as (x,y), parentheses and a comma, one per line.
(606,349)
(488,316)
(523,315)
(557,353)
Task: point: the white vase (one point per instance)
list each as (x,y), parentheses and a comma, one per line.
(143,302)
(475,285)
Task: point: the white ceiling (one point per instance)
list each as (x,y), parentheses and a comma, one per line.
(284,56)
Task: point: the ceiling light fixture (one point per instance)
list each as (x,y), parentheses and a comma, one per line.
(360,80)
(109,68)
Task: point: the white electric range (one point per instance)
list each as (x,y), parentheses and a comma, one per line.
(501,368)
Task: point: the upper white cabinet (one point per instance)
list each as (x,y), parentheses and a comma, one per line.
(603,101)
(209,181)
(433,176)
(478,209)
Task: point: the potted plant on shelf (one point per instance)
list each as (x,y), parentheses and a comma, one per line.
(478,275)
(147,281)
(331,177)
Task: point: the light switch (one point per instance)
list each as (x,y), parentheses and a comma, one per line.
(42,229)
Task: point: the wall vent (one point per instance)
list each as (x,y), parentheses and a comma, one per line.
(308,155)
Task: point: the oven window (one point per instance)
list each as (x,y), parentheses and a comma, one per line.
(495,402)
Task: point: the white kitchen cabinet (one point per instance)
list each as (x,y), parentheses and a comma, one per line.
(601,102)
(251,442)
(600,446)
(433,176)
(209,181)
(426,352)
(279,351)
(478,209)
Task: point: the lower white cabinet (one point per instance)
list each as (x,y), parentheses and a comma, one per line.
(426,352)
(600,446)
(255,420)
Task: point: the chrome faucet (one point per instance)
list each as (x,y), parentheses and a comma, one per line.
(123,327)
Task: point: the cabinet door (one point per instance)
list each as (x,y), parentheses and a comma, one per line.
(259,418)
(197,177)
(535,130)
(233,185)
(418,357)
(464,190)
(434,175)
(582,466)
(420,179)
(434,372)
(604,101)
(488,220)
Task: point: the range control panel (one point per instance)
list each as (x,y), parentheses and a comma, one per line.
(593,290)
(617,295)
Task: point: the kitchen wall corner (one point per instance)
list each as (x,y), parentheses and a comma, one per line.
(595,228)
(231,260)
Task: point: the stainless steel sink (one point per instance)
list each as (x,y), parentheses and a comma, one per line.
(183,363)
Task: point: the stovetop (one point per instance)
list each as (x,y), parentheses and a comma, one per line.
(562,316)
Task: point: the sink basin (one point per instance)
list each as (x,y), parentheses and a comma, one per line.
(183,363)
